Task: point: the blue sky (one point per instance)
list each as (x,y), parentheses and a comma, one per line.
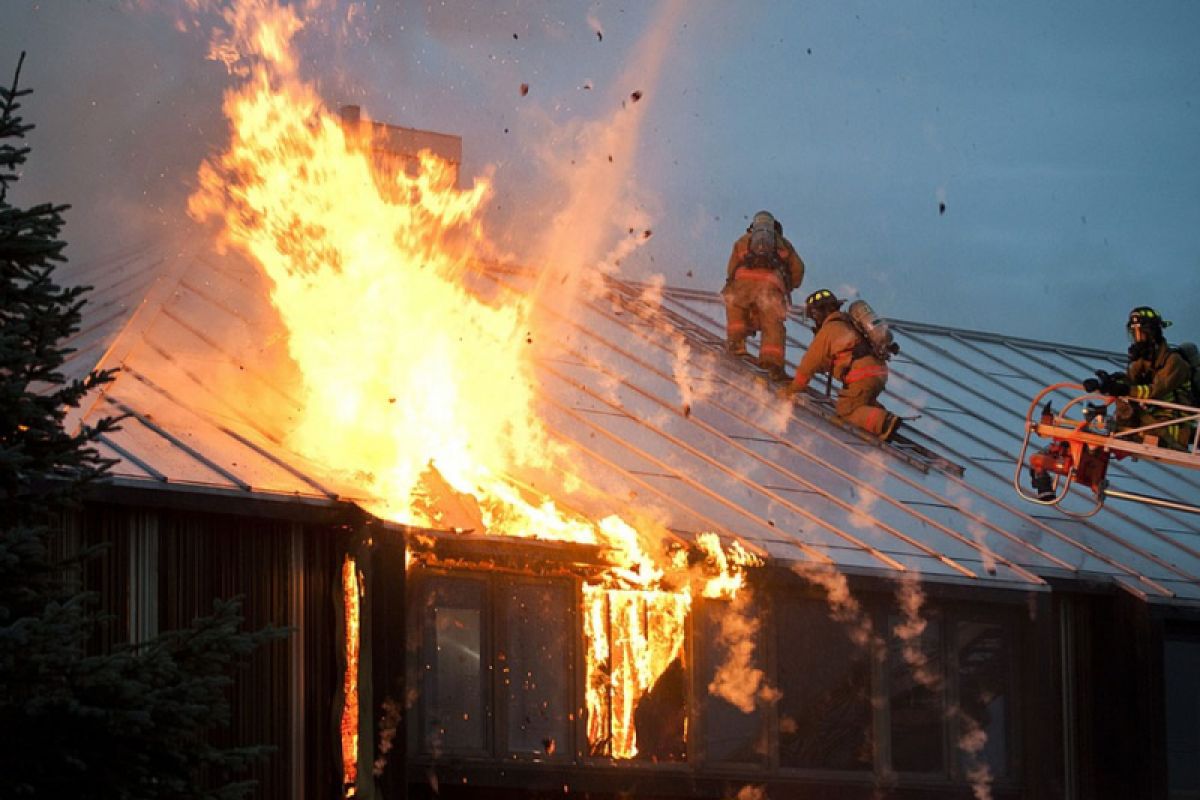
(1063,138)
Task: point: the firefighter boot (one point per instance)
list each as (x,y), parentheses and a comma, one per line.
(890,425)
(776,374)
(1043,485)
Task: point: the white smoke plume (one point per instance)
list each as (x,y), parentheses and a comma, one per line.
(972,743)
(737,680)
(843,607)
(964,500)
(911,598)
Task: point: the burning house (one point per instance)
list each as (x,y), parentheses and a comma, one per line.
(810,614)
(560,545)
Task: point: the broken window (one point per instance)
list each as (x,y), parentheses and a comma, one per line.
(534,667)
(637,678)
(452,675)
(915,697)
(825,718)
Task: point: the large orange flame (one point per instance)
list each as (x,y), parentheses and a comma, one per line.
(415,388)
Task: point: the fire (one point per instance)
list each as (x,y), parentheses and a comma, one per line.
(351,596)
(417,390)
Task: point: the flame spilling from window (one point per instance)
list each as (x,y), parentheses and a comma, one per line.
(415,390)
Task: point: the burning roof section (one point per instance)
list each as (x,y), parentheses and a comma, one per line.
(658,421)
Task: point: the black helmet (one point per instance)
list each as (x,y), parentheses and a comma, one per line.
(820,303)
(1145,324)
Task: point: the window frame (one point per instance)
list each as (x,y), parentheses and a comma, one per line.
(493,640)
(564,752)
(880,607)
(701,671)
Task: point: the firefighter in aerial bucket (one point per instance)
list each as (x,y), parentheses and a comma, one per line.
(763,271)
(840,349)
(1156,371)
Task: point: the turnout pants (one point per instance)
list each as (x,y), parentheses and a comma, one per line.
(858,403)
(757,294)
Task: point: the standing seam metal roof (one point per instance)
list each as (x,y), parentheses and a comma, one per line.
(791,486)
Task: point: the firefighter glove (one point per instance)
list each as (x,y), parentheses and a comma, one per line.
(1115,385)
(1094,384)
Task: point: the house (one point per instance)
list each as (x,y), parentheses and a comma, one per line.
(912,628)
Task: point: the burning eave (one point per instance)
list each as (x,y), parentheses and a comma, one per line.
(448,549)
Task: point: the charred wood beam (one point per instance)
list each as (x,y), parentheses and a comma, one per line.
(507,553)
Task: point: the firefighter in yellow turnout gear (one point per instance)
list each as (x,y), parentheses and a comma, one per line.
(763,270)
(1156,371)
(840,350)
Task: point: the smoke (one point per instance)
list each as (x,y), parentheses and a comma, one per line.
(964,500)
(737,680)
(388,723)
(599,172)
(972,743)
(843,607)
(910,597)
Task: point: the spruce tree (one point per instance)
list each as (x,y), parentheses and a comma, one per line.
(133,722)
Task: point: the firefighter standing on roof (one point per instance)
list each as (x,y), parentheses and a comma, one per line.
(763,271)
(840,350)
(1156,371)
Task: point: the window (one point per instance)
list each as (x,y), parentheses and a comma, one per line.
(1181,662)
(730,734)
(637,678)
(534,667)
(493,666)
(915,701)
(825,716)
(982,656)
(451,676)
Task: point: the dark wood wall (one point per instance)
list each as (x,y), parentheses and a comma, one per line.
(287,574)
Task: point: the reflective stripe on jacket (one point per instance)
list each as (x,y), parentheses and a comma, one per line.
(1164,377)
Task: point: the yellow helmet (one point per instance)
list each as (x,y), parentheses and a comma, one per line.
(821,302)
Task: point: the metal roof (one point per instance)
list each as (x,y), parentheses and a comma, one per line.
(722,454)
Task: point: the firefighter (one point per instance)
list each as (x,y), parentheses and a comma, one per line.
(763,270)
(839,349)
(1156,371)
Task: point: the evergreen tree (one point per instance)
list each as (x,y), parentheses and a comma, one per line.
(132,722)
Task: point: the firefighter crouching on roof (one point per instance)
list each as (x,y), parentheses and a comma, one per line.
(1156,371)
(763,271)
(839,349)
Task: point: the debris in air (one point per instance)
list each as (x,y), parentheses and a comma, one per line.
(600,35)
(636,95)
(941,208)
(524,89)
